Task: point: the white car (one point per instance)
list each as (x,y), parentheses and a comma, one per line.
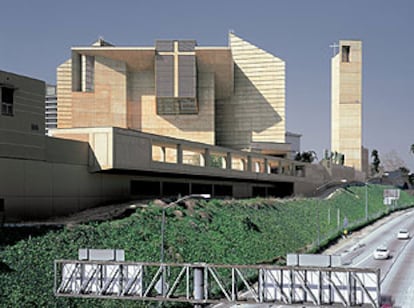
(381,253)
(403,234)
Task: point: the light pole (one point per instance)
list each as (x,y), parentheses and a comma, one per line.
(171,204)
(340,182)
(319,226)
(366,183)
(336,182)
(366,201)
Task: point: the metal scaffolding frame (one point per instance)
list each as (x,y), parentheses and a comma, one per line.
(201,283)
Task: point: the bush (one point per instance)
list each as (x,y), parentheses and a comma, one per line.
(219,231)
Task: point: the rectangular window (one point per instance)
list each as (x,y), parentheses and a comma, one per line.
(145,188)
(164,75)
(223,190)
(187,76)
(2,212)
(88,73)
(188,106)
(345,53)
(176,106)
(7,101)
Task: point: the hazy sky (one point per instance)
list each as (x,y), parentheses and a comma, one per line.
(36,37)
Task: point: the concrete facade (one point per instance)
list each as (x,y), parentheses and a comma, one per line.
(294,141)
(253,118)
(239,93)
(346,103)
(22,124)
(42,176)
(50,108)
(78,168)
(125,133)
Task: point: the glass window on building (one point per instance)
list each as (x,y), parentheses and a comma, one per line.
(7,100)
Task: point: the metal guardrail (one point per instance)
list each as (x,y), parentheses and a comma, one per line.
(202,283)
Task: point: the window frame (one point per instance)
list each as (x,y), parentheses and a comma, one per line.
(7,107)
(346,53)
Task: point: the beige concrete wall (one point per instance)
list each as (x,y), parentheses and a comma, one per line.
(107,104)
(126,99)
(193,127)
(318,175)
(38,189)
(335,119)
(64,94)
(64,182)
(100,144)
(69,152)
(346,117)
(130,152)
(256,111)
(23,134)
(139,84)
(59,182)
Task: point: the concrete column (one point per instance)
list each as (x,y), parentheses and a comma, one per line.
(179,154)
(207,158)
(163,154)
(228,159)
(249,163)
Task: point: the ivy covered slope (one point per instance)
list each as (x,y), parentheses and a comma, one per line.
(218,231)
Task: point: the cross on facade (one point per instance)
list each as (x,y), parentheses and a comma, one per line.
(176,53)
(334,46)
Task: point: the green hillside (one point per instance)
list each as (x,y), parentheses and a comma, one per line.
(216,231)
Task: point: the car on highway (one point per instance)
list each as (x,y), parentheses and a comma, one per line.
(381,253)
(387,301)
(403,234)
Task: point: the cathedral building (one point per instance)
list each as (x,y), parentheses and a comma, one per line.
(231,96)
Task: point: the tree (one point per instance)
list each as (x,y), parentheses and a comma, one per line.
(306,157)
(404,170)
(411,178)
(298,156)
(375,161)
(411,175)
(392,161)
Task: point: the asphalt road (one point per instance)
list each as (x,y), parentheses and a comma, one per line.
(398,281)
(397,272)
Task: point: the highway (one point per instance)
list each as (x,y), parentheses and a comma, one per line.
(397,272)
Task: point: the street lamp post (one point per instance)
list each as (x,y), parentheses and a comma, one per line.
(319,226)
(340,182)
(336,182)
(171,204)
(366,201)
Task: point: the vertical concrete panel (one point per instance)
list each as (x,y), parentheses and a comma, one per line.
(100,145)
(195,127)
(346,101)
(139,84)
(107,104)
(64,94)
(22,133)
(256,111)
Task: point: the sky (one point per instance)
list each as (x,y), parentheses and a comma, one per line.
(36,37)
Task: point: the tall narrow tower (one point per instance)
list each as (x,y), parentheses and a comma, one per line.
(346,109)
